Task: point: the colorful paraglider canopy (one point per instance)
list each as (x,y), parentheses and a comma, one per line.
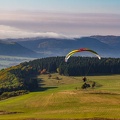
(80,50)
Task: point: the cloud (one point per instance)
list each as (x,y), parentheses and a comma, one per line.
(12,32)
(35,23)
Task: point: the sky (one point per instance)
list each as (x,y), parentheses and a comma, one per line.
(58,18)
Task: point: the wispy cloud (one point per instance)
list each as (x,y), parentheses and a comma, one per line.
(12,32)
(34,23)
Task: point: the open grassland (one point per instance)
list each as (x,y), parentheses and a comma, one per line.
(62,98)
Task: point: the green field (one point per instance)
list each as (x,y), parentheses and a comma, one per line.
(64,99)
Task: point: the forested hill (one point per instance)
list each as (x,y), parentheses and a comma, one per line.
(77,65)
(22,76)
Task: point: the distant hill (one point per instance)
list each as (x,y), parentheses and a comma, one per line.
(60,47)
(106,46)
(15,49)
(113,41)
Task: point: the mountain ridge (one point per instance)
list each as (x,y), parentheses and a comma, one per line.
(63,46)
(106,46)
(14,49)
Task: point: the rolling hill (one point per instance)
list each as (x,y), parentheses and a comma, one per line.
(106,46)
(15,49)
(66,100)
(110,40)
(58,96)
(56,47)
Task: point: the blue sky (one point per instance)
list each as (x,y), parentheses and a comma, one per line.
(91,6)
(66,18)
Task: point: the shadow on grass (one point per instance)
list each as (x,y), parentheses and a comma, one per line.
(42,86)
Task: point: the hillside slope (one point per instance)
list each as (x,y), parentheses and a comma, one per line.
(110,40)
(56,96)
(106,46)
(60,47)
(62,101)
(15,49)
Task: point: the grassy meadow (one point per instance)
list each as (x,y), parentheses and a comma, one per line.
(61,97)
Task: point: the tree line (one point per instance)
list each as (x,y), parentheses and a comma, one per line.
(77,65)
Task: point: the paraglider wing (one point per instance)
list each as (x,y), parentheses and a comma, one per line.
(70,54)
(86,49)
(80,50)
